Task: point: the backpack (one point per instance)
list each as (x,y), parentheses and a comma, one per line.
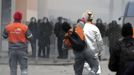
(77,39)
(127,50)
(127,56)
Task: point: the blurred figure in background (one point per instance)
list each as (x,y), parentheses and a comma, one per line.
(60,35)
(113,33)
(38,29)
(40,38)
(101,27)
(46,32)
(65,48)
(33,28)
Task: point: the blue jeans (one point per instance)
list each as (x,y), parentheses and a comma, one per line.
(18,57)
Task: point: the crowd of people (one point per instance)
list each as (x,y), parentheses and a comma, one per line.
(44,28)
(42,31)
(39,32)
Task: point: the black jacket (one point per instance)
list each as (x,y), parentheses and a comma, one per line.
(114,31)
(45,32)
(101,28)
(33,28)
(58,30)
(118,62)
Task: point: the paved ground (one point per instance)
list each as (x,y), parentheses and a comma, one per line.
(53,69)
(50,66)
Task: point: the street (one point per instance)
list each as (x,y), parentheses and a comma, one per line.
(52,69)
(48,66)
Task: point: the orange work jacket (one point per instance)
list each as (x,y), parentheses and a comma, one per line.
(16,32)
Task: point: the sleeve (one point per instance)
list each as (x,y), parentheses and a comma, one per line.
(114,58)
(56,29)
(29,35)
(5,34)
(99,42)
(66,41)
(50,29)
(29,26)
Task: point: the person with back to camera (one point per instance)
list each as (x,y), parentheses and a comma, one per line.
(93,37)
(17,35)
(122,55)
(81,56)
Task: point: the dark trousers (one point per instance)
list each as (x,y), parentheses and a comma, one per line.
(60,51)
(81,58)
(41,50)
(33,45)
(44,49)
(65,52)
(46,52)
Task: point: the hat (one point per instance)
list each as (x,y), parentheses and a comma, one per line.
(17,16)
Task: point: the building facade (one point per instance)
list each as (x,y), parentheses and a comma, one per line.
(71,9)
(107,10)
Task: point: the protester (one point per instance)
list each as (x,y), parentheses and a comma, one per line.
(17,34)
(92,35)
(82,56)
(122,55)
(33,28)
